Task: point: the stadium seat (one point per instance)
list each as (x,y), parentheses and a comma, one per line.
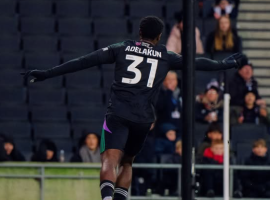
(72,8)
(209,26)
(12,95)
(13,112)
(61,144)
(70,56)
(145,8)
(40,43)
(110,27)
(248,133)
(7,7)
(90,113)
(9,25)
(229,73)
(208,8)
(47,97)
(164,158)
(16,129)
(41,61)
(243,150)
(85,97)
(172,7)
(135,27)
(10,60)
(90,78)
(38,25)
(11,78)
(199,25)
(49,113)
(202,79)
(25,146)
(93,126)
(75,26)
(83,45)
(199,133)
(51,130)
(32,8)
(102,8)
(65,144)
(9,43)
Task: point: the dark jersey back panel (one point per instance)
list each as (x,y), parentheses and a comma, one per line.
(140,69)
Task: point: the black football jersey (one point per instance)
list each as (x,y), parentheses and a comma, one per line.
(140,69)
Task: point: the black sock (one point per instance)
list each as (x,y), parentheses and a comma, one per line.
(120,193)
(107,189)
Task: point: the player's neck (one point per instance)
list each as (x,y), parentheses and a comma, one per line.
(148,41)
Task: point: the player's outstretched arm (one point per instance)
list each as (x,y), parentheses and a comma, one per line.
(233,61)
(95,58)
(204,64)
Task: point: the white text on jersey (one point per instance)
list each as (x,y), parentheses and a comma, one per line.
(148,52)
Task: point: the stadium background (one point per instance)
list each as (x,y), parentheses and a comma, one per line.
(40,34)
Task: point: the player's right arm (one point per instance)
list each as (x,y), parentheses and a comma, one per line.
(102,56)
(204,64)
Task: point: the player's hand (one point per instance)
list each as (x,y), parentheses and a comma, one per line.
(38,75)
(234,59)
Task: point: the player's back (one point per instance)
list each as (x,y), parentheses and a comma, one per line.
(140,69)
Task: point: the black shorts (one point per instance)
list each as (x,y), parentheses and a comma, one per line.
(122,134)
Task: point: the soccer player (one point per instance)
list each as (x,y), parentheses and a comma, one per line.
(140,68)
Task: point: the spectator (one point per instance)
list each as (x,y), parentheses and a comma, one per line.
(88,149)
(172,182)
(166,143)
(145,178)
(178,150)
(256,184)
(169,104)
(213,133)
(10,153)
(209,108)
(3,156)
(224,39)
(47,152)
(213,179)
(222,8)
(174,42)
(251,112)
(242,82)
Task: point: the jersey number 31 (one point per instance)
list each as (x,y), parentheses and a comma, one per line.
(138,75)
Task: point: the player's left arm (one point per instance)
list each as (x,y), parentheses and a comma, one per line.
(102,56)
(205,64)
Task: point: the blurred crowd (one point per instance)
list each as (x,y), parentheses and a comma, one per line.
(164,144)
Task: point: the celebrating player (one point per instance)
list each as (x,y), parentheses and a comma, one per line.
(140,68)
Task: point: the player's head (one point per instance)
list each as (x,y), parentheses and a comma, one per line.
(151,28)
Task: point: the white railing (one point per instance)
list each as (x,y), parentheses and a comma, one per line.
(42,176)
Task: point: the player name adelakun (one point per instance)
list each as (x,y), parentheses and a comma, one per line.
(148,52)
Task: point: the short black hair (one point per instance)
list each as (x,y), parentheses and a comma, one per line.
(214,127)
(151,27)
